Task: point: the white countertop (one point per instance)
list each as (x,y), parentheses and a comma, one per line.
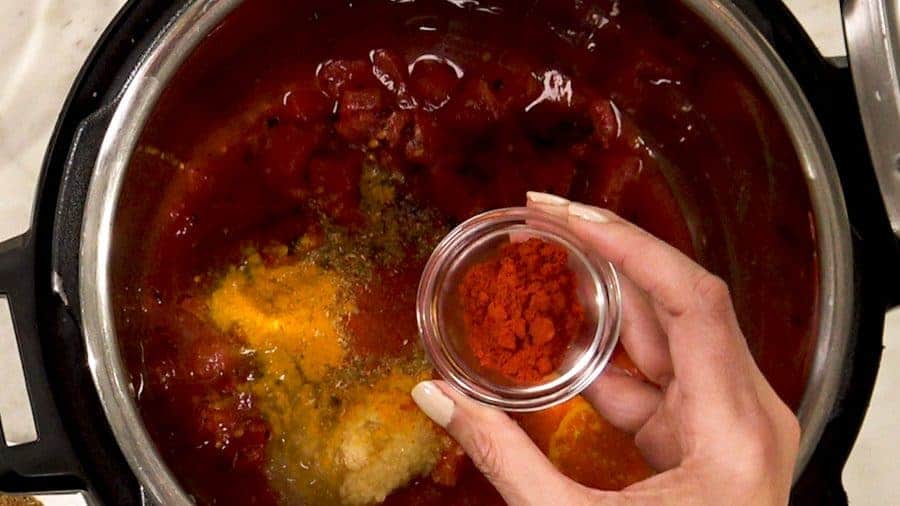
(43,44)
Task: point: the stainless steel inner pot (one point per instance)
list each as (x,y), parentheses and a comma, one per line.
(199,17)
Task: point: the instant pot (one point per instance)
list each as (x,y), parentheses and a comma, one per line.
(843,116)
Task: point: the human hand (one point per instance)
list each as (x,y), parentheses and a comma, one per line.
(706,418)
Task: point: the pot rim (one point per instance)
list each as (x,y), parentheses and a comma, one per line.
(197,18)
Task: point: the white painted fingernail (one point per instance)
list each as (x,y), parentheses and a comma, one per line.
(433,402)
(547,199)
(587,213)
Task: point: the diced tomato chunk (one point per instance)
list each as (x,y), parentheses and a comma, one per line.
(432,83)
(359,116)
(391,72)
(607,122)
(336,76)
(365,100)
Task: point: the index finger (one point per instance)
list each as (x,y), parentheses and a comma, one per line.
(694,307)
(659,269)
(640,335)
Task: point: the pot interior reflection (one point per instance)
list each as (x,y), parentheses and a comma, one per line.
(300,167)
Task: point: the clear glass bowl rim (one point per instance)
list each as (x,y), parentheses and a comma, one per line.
(586,368)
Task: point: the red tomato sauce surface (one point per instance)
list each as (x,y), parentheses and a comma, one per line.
(634,106)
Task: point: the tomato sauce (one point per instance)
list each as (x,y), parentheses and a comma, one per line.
(634,106)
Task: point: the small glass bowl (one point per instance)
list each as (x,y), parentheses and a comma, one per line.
(440,316)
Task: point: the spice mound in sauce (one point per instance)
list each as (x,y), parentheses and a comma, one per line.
(298,171)
(292,308)
(521,310)
(343,430)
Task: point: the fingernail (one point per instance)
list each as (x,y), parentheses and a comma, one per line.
(433,402)
(546,199)
(587,213)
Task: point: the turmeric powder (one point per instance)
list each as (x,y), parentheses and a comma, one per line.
(295,308)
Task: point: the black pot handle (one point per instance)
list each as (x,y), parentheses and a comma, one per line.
(870,48)
(828,86)
(48,463)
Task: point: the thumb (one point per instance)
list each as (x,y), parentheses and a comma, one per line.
(498,447)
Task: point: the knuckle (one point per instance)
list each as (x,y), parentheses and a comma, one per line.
(485,454)
(711,289)
(764,445)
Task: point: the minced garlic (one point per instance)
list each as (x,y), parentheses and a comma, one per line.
(351,439)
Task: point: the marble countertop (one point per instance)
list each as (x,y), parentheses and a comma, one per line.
(43,44)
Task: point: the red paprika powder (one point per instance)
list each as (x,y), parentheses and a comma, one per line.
(521,310)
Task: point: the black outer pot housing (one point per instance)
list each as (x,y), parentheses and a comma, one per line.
(76,450)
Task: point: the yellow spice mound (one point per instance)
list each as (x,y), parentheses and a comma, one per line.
(340,434)
(294,308)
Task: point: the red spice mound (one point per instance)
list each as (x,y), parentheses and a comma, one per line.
(520,310)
